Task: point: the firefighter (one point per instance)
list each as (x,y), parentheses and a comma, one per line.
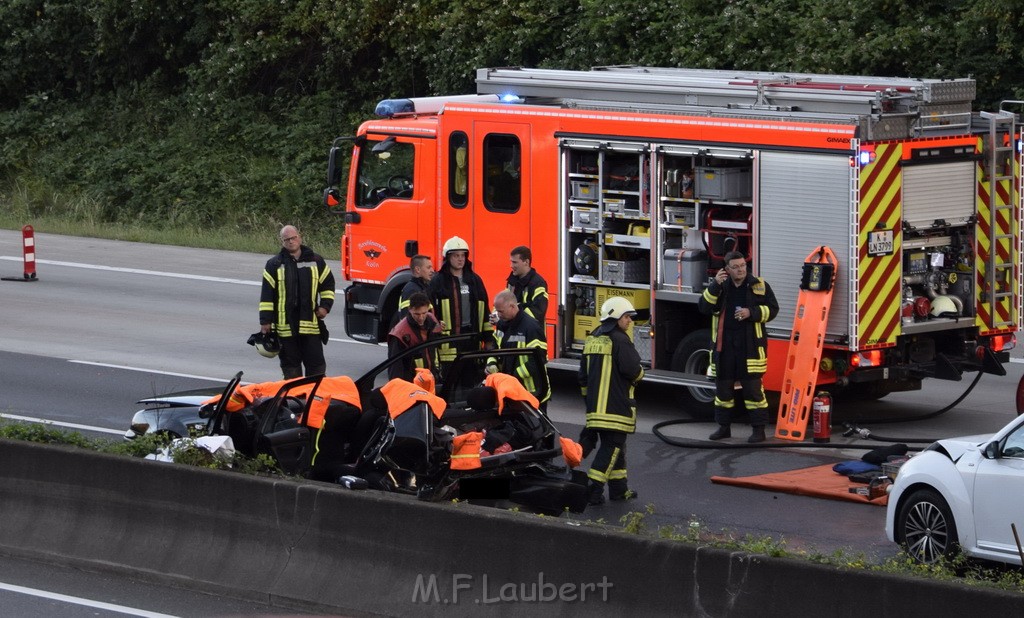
(608,373)
(517,329)
(459,295)
(740,305)
(419,326)
(297,294)
(529,287)
(422,272)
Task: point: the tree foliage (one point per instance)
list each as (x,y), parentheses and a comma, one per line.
(219,112)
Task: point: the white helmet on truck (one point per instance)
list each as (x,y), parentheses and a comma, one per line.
(616,307)
(454,244)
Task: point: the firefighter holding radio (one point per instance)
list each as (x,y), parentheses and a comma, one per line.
(740,305)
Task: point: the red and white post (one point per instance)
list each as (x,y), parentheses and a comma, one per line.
(28,239)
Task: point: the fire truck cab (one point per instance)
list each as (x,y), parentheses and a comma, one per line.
(636,181)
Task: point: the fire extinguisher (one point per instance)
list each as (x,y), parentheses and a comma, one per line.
(821,407)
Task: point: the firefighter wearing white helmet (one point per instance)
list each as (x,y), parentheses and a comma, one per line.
(458,296)
(454,244)
(609,372)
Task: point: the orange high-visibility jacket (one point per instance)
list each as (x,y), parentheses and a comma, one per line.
(402,395)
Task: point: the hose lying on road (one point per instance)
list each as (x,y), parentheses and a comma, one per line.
(851,429)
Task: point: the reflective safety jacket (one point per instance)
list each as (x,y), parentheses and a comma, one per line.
(246,394)
(572,451)
(719,301)
(608,373)
(338,388)
(402,395)
(466,451)
(532,293)
(522,332)
(293,289)
(508,387)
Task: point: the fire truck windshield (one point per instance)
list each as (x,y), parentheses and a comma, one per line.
(386,173)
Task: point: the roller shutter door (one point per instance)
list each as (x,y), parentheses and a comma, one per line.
(933,192)
(804,202)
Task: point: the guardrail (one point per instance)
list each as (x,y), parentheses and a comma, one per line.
(317,546)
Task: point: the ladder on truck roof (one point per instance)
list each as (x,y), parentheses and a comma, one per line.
(888,107)
(1000,142)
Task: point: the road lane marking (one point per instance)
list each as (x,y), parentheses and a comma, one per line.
(139,271)
(140,369)
(121,609)
(46,421)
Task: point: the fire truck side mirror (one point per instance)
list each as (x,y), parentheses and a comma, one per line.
(334,167)
(333,200)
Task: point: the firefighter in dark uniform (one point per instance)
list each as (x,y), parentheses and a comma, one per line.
(608,373)
(297,294)
(517,329)
(529,287)
(458,296)
(740,305)
(422,272)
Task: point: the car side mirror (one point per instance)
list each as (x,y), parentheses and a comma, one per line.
(991,450)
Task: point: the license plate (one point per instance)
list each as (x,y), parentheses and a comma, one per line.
(880,243)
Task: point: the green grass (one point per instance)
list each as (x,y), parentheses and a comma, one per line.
(51,211)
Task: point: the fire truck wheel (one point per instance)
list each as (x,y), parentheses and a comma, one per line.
(693,356)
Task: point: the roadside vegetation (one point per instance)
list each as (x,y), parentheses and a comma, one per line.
(692,531)
(208,123)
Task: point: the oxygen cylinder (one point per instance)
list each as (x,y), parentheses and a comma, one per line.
(821,409)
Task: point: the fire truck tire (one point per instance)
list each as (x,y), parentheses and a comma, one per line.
(692,355)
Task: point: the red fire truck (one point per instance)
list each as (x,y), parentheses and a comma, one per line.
(635,181)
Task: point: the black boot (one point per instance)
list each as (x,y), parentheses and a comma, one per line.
(596,492)
(756,434)
(723,431)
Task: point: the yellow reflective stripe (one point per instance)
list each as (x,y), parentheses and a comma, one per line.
(756,405)
(708,296)
(721,403)
(598,420)
(314,277)
(617,475)
(270,279)
(266,306)
(282,326)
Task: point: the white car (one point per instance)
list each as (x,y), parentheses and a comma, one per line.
(962,494)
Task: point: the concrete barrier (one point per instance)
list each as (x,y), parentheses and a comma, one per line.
(318,546)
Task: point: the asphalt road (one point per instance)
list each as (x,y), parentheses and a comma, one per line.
(109,322)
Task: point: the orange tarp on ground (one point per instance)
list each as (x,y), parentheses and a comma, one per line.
(817,481)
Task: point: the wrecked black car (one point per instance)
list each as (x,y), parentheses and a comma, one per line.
(476,437)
